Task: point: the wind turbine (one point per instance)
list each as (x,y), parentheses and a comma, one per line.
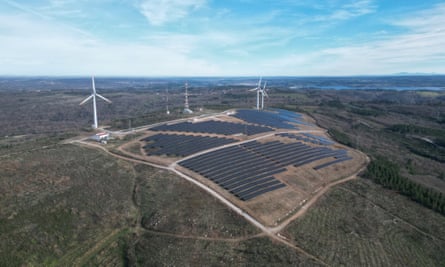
(258,91)
(166,100)
(93,96)
(263,94)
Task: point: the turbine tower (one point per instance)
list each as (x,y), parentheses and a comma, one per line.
(166,100)
(93,96)
(258,91)
(263,94)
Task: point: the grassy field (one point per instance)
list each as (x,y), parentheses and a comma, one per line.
(58,202)
(67,205)
(155,250)
(362,224)
(199,215)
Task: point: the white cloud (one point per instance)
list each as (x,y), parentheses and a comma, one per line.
(37,44)
(43,48)
(427,20)
(159,12)
(349,11)
(420,49)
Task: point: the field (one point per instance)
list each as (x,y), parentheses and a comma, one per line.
(361,224)
(59,202)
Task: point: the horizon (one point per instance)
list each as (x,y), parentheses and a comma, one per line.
(402,74)
(203,38)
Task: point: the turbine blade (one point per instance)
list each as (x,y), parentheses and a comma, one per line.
(93,84)
(103,98)
(85,100)
(254,89)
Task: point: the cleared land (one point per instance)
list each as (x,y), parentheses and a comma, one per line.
(72,205)
(362,224)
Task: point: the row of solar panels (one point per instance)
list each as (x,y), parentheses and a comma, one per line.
(215,127)
(307,137)
(296,154)
(267,118)
(237,170)
(291,116)
(338,160)
(247,169)
(181,145)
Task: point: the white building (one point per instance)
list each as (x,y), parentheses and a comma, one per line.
(101,137)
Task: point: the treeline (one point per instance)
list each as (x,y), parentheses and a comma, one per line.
(414,129)
(387,173)
(341,137)
(366,111)
(434,148)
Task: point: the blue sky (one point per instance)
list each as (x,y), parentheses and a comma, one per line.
(220,38)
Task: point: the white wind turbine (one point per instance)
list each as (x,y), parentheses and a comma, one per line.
(166,101)
(263,94)
(258,91)
(93,96)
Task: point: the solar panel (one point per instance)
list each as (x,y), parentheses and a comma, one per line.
(213,127)
(257,187)
(247,170)
(331,163)
(181,145)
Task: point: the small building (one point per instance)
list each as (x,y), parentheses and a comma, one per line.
(101,137)
(187,111)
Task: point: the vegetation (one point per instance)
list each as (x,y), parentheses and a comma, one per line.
(430,143)
(152,250)
(340,137)
(199,215)
(58,203)
(64,205)
(387,174)
(414,129)
(360,224)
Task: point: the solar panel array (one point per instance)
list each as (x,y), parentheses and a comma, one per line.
(267,118)
(297,154)
(181,145)
(238,170)
(338,160)
(247,170)
(307,137)
(216,127)
(291,116)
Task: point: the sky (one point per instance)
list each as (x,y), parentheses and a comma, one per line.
(221,38)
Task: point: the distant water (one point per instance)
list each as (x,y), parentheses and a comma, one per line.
(399,83)
(397,88)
